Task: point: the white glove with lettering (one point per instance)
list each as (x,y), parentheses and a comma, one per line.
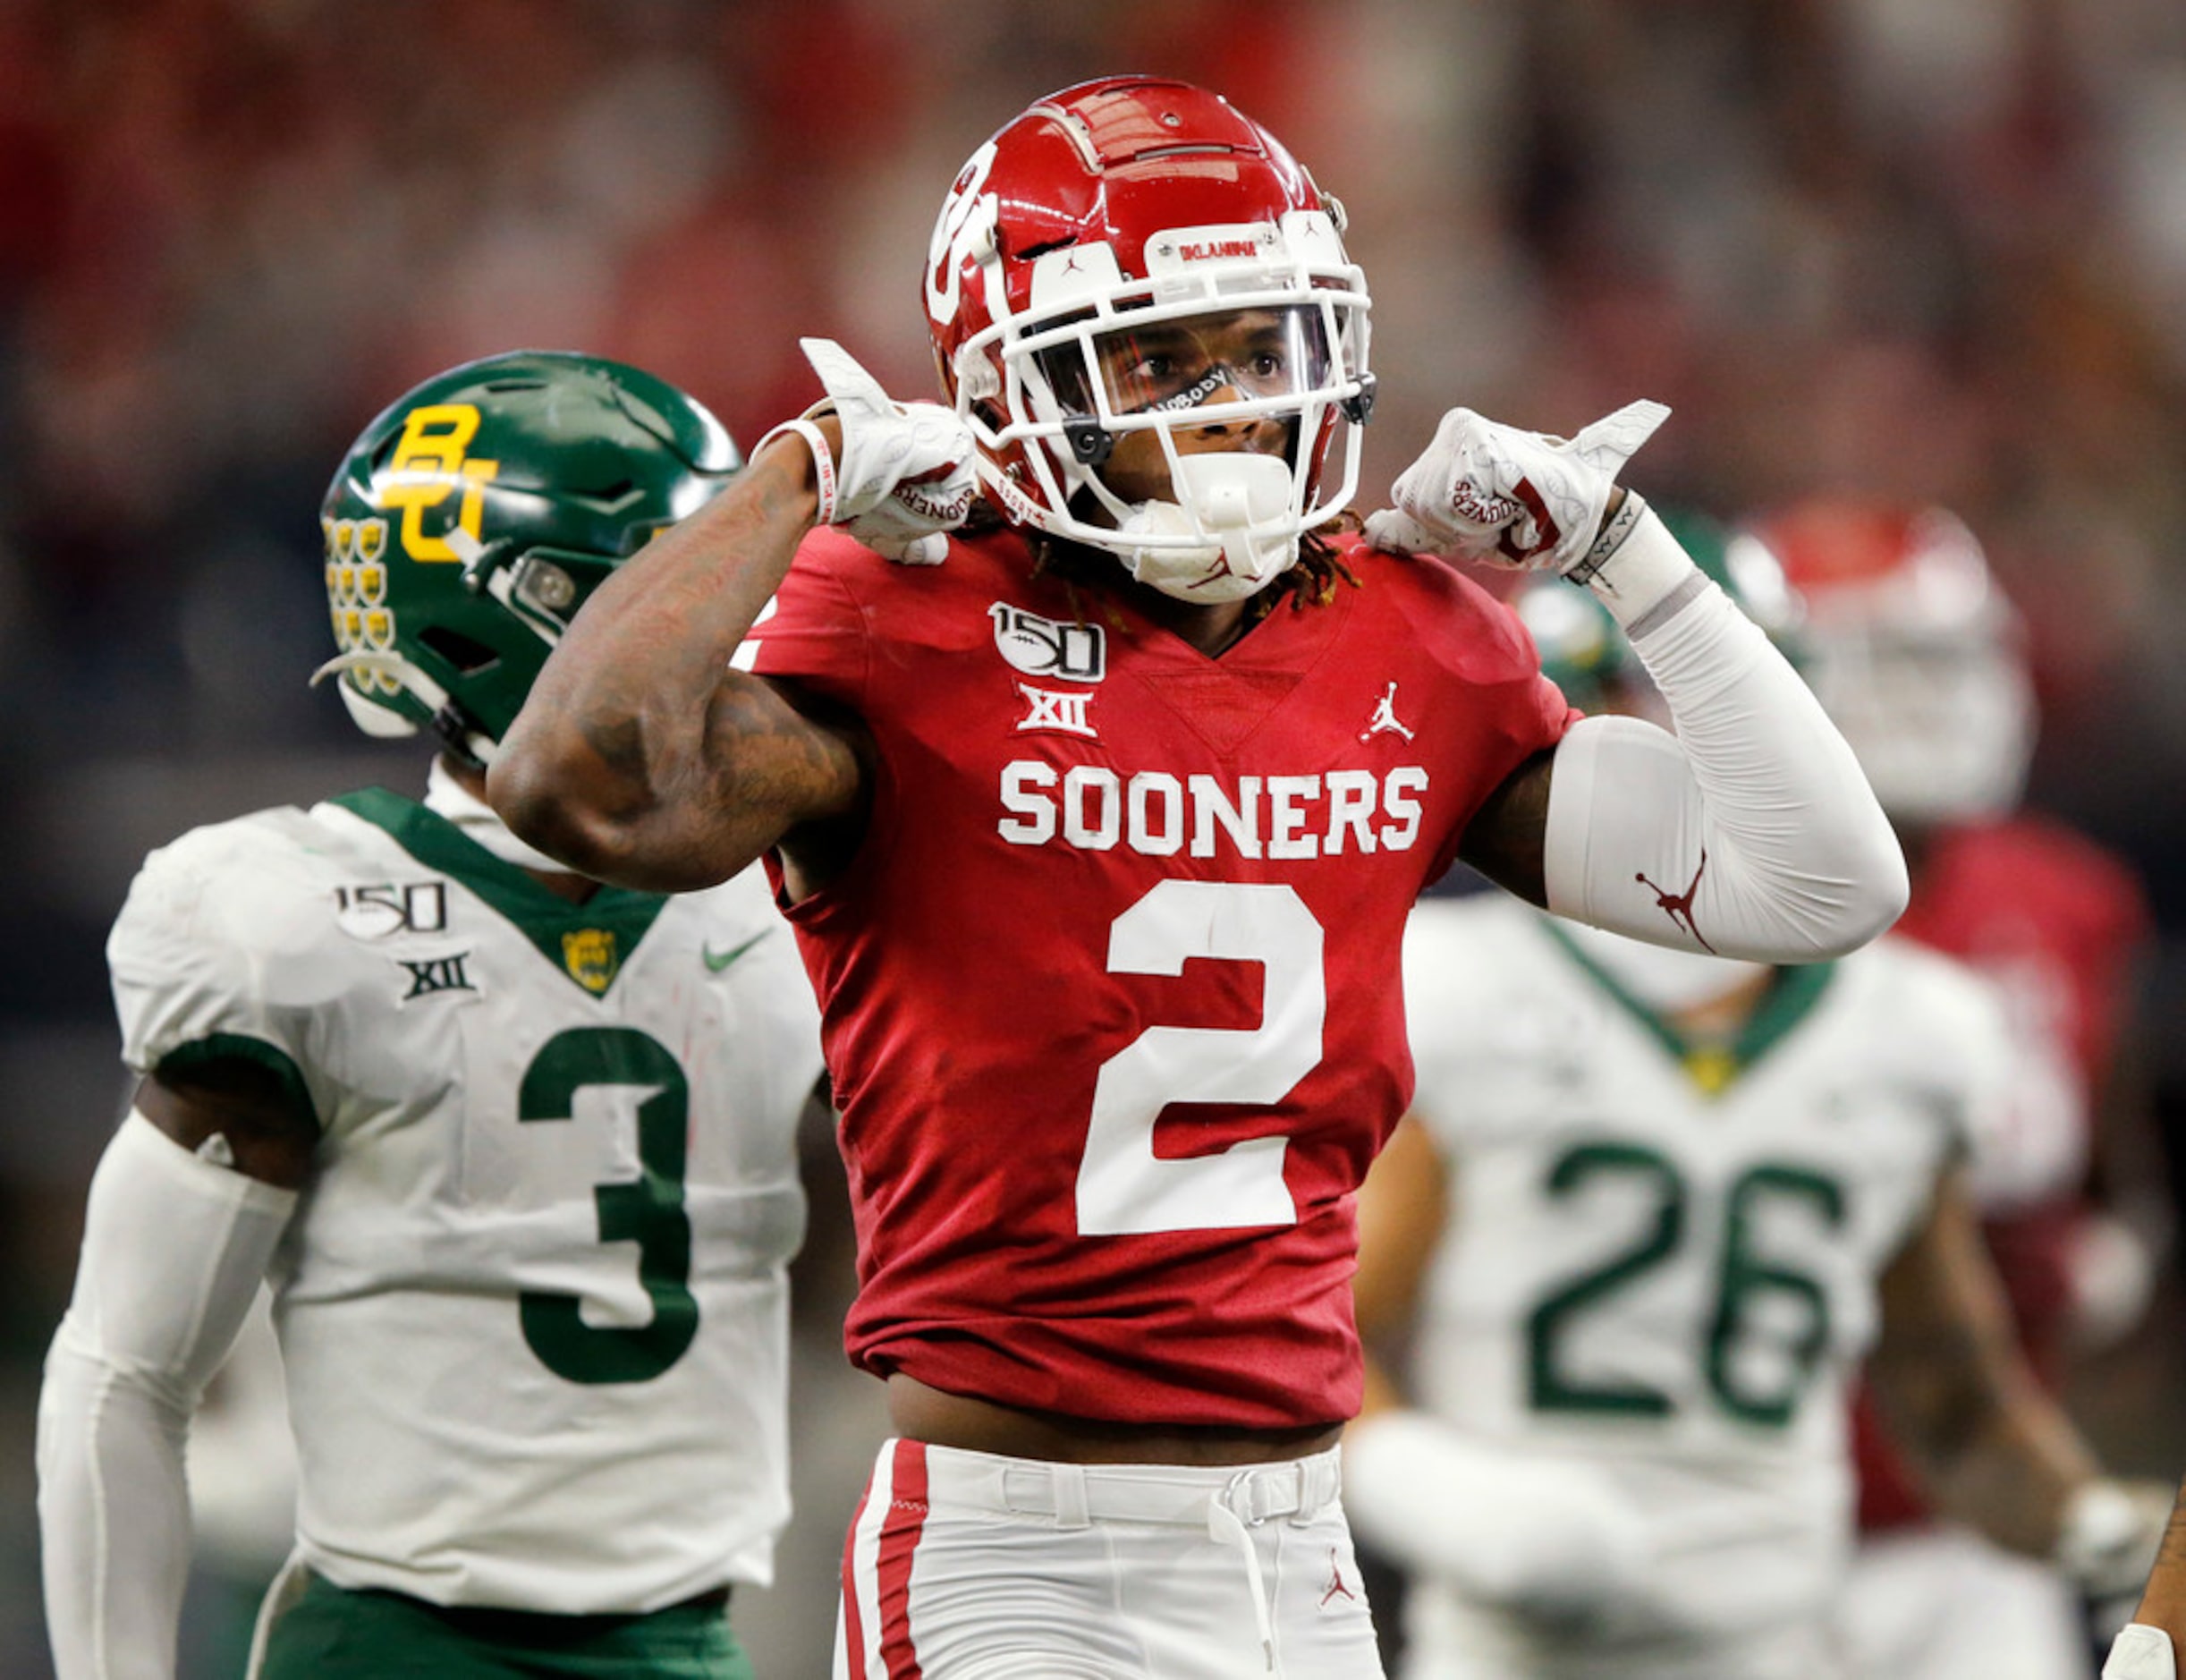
(1525,500)
(905,479)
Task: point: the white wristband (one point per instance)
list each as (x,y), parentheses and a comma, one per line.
(823,462)
(1644,574)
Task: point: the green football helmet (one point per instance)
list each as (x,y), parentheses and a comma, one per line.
(1584,654)
(473,517)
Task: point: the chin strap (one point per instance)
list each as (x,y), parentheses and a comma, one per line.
(451,723)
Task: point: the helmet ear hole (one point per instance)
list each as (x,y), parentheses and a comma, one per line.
(466,654)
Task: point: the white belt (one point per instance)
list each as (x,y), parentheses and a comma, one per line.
(1075,1494)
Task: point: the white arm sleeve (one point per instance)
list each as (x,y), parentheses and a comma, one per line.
(174,1249)
(1750,832)
(1501,1527)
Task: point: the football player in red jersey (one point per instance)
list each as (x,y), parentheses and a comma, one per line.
(1920,657)
(1098,837)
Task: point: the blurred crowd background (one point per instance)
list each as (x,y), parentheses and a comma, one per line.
(1936,248)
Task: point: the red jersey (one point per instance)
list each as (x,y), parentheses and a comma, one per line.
(1110,993)
(2058,922)
(2049,913)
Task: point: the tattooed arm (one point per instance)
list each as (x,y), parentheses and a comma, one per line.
(642,758)
(1994,1449)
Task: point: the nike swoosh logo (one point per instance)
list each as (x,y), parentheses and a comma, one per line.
(714,965)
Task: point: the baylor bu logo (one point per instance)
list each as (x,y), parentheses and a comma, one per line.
(1040,647)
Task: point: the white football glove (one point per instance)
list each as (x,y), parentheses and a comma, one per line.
(1525,500)
(1534,1535)
(2110,1531)
(905,479)
(2141,1652)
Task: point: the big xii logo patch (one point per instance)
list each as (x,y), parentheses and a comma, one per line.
(437,974)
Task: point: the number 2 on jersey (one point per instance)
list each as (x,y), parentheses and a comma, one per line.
(1123,1187)
(648,1211)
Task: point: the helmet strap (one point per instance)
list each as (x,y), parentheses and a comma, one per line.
(461,737)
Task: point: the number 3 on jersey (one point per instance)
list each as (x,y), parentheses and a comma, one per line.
(1123,1187)
(648,1211)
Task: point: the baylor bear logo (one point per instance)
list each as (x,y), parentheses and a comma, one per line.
(589,955)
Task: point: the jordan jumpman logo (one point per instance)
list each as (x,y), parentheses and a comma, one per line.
(1384,718)
(1337,1587)
(1678,906)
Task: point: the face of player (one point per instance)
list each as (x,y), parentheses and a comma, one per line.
(1180,364)
(1268,357)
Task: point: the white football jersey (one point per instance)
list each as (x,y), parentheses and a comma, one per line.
(1663,1263)
(533,1306)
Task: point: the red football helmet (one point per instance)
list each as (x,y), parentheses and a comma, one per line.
(1914,649)
(1113,258)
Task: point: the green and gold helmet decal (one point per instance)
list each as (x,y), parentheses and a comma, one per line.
(475,516)
(1584,654)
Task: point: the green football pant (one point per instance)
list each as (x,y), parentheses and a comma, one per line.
(334,1634)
